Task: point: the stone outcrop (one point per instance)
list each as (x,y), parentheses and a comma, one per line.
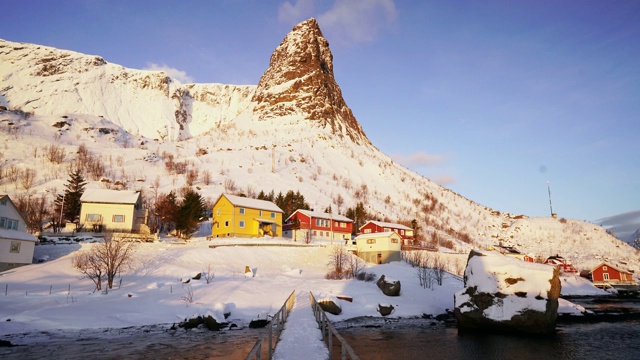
(507,295)
(389,288)
(300,82)
(330,306)
(385,310)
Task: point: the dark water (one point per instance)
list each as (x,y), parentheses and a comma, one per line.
(150,342)
(417,339)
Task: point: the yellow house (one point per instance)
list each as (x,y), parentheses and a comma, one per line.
(112,210)
(379,248)
(235,216)
(16,245)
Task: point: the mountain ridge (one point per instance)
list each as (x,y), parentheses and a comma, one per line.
(137,122)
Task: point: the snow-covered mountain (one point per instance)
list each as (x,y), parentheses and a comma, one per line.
(293,131)
(625,226)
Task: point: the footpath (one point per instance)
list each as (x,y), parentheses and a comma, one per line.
(301,337)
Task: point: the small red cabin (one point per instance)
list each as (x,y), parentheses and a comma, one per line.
(564,265)
(607,275)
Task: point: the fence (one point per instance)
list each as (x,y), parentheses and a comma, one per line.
(329,332)
(272,337)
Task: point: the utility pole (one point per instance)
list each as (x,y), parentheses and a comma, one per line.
(550,207)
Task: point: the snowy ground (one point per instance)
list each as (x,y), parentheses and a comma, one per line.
(52,295)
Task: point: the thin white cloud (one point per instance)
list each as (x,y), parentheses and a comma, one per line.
(171,72)
(348,21)
(418,159)
(296,12)
(444,180)
(358,21)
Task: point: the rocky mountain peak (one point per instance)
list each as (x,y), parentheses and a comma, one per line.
(300,81)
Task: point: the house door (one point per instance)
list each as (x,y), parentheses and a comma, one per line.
(379,258)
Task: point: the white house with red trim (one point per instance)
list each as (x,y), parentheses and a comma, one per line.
(309,225)
(564,265)
(374,226)
(16,245)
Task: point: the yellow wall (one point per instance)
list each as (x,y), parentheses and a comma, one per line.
(107,211)
(227,220)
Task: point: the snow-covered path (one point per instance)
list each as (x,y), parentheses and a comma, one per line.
(301,337)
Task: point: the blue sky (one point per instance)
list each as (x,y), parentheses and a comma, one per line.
(491,99)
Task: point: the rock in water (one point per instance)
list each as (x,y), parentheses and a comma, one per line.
(506,295)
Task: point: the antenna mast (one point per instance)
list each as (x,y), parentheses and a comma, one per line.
(550,207)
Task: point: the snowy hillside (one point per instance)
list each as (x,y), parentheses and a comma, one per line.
(140,124)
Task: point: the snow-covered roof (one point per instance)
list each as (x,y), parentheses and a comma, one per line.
(16,235)
(387,225)
(321,215)
(107,196)
(377,235)
(251,203)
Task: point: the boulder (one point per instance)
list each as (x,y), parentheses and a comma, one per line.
(259,323)
(389,287)
(505,294)
(385,310)
(330,306)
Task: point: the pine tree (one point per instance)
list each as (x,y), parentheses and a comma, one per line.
(190,214)
(69,202)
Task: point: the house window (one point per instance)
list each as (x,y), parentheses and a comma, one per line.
(3,222)
(387,229)
(260,212)
(605,276)
(394,241)
(93,217)
(314,233)
(367,231)
(118,218)
(226,223)
(402,232)
(3,202)
(219,212)
(15,247)
(273,215)
(241,223)
(12,224)
(273,228)
(241,211)
(343,224)
(605,268)
(371,241)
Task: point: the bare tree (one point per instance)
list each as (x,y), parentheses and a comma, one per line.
(105,260)
(27,179)
(192,176)
(206,177)
(90,264)
(54,153)
(209,274)
(229,185)
(338,259)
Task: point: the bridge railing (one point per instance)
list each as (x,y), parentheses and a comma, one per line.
(329,332)
(273,331)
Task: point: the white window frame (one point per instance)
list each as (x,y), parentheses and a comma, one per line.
(90,217)
(241,224)
(115,217)
(605,276)
(15,247)
(241,211)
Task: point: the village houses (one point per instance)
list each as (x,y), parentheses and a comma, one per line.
(112,210)
(379,247)
(236,216)
(16,245)
(373,226)
(309,225)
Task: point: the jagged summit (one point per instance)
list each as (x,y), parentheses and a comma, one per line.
(300,81)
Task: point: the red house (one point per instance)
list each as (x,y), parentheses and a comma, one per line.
(308,225)
(564,265)
(405,232)
(606,275)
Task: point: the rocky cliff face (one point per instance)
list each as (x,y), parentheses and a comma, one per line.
(300,82)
